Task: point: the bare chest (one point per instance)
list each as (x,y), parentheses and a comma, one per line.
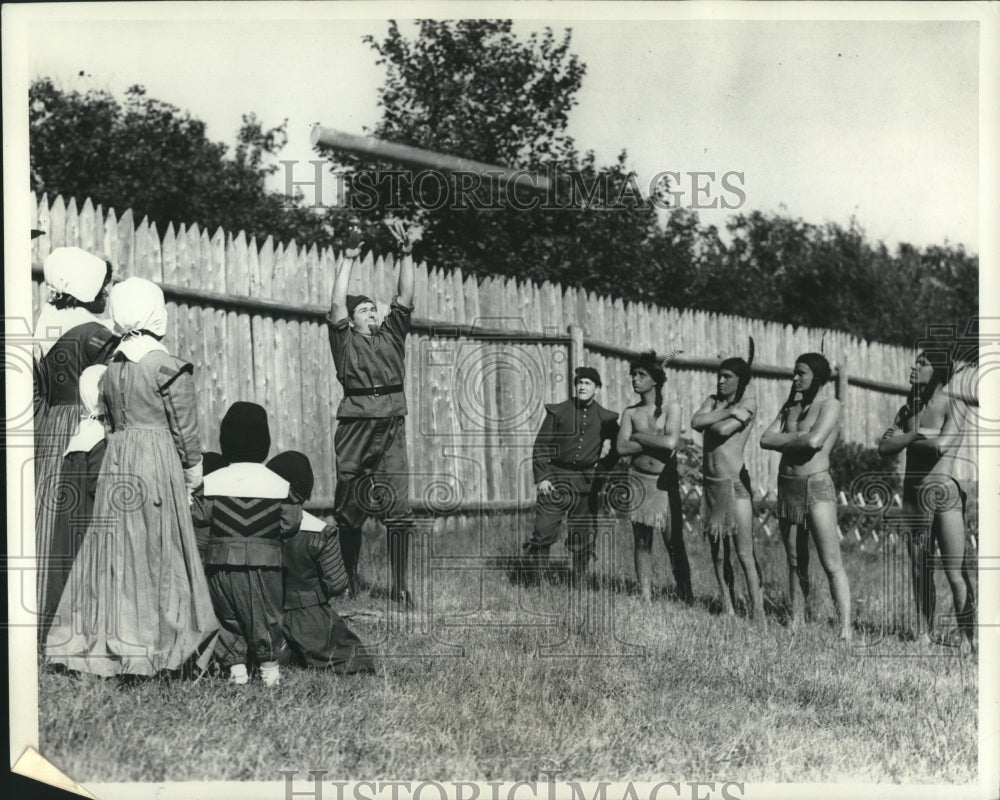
(797,422)
(644,422)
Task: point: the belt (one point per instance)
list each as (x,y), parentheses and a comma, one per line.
(572,467)
(374,391)
(231,551)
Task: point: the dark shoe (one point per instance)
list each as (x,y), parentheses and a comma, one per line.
(403,599)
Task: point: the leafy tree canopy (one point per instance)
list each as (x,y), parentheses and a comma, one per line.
(149,156)
(474,89)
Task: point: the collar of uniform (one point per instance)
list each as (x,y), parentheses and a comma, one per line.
(246,479)
(311,522)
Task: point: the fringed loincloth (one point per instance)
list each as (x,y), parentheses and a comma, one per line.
(650,503)
(796,493)
(718,504)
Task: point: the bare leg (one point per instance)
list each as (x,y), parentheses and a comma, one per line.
(724,580)
(744,552)
(728,573)
(823,525)
(642,536)
(797,556)
(949,529)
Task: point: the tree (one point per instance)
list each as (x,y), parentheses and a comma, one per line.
(148,156)
(471,88)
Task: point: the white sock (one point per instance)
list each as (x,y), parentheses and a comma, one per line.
(238,674)
(270,673)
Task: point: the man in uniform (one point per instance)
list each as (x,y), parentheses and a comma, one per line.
(370,441)
(575,442)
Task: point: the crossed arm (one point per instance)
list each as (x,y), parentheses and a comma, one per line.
(895,439)
(631,442)
(726,420)
(803,442)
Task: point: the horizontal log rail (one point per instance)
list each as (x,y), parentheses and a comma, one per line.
(452,330)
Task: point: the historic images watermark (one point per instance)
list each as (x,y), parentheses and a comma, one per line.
(396,190)
(549,788)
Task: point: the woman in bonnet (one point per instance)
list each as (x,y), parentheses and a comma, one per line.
(136,601)
(77,488)
(69,337)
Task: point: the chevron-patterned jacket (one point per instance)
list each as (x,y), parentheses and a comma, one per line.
(241,516)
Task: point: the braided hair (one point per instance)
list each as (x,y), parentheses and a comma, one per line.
(652,365)
(821,372)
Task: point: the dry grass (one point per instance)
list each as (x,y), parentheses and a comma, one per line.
(674,692)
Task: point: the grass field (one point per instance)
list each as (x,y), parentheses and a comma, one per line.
(518,680)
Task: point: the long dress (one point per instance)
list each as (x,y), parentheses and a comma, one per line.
(136,601)
(78,485)
(58,408)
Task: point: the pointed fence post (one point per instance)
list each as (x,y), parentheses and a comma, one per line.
(575,353)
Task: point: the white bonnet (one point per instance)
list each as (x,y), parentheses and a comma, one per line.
(73,271)
(137,304)
(90,380)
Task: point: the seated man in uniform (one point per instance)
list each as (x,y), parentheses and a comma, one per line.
(576,440)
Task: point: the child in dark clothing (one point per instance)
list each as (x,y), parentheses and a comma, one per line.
(314,572)
(243,513)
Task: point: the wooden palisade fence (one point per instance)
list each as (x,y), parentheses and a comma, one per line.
(482,358)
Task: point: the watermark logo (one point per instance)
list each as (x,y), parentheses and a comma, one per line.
(313,784)
(397,190)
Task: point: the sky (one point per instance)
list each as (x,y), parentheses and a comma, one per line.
(824,119)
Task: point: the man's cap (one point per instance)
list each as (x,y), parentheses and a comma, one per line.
(355,300)
(589,373)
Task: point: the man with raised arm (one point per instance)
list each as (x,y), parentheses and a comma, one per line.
(370,441)
(725,420)
(804,432)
